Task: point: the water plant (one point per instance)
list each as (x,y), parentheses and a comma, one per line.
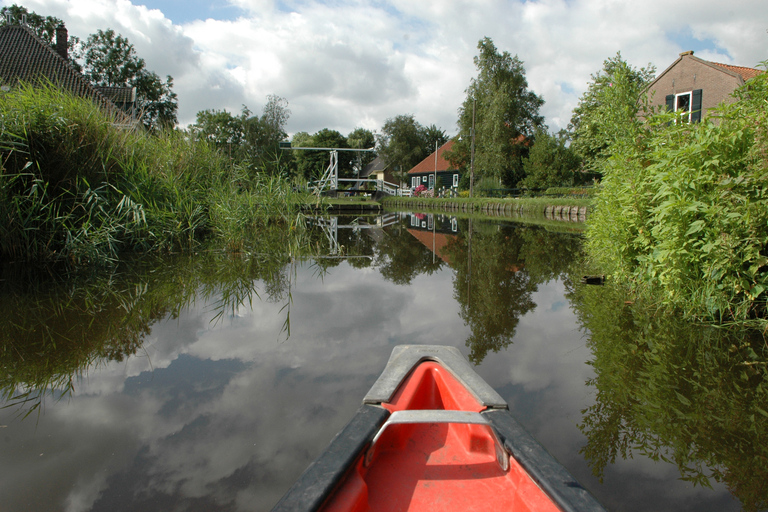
(77,186)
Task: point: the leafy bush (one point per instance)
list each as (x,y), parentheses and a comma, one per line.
(683,210)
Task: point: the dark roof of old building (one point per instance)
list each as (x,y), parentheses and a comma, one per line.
(377,164)
(25,57)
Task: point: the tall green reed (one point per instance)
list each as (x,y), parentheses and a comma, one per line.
(75,186)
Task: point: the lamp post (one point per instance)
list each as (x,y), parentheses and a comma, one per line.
(472,153)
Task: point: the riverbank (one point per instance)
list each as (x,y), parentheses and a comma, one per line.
(558,208)
(552,208)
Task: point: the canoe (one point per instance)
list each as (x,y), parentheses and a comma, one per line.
(431,434)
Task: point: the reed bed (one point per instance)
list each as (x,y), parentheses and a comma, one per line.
(77,186)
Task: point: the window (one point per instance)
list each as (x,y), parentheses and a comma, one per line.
(686,104)
(683,106)
(454,224)
(414,181)
(424,178)
(431,181)
(455,180)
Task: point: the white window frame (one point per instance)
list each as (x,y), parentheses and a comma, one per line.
(431,184)
(682,117)
(414,181)
(455,180)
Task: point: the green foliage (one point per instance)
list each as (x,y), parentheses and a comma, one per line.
(551,162)
(691,395)
(76,188)
(312,164)
(404,142)
(498,268)
(110,60)
(506,114)
(361,138)
(249,141)
(608,110)
(682,211)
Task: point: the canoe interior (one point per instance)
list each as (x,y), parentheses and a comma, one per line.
(436,466)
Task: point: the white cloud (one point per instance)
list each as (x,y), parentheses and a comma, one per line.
(356,63)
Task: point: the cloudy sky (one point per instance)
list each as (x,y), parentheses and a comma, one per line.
(343,64)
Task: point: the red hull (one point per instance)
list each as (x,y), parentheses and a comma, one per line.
(432,435)
(436,466)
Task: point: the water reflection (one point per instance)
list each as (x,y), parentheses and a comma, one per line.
(692,396)
(211,381)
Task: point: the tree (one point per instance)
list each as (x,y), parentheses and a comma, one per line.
(111,60)
(43,26)
(506,114)
(312,164)
(607,109)
(402,144)
(434,137)
(251,141)
(221,129)
(360,138)
(551,162)
(264,134)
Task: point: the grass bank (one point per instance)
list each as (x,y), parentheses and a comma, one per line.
(76,187)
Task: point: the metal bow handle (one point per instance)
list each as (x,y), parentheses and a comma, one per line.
(441,416)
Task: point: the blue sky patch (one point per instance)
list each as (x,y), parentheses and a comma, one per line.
(686,40)
(185,11)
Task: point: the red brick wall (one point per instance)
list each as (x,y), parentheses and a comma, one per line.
(690,74)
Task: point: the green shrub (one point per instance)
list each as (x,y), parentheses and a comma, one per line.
(682,211)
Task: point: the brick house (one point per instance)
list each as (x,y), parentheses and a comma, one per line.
(425,172)
(693,86)
(25,57)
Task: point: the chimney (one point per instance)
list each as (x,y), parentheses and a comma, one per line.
(61,41)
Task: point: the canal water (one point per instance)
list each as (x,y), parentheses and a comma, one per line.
(210,381)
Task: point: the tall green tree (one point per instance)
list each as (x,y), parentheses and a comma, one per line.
(312,164)
(251,141)
(110,60)
(506,113)
(361,138)
(551,162)
(402,144)
(609,109)
(434,137)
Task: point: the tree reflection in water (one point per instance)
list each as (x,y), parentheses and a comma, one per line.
(691,395)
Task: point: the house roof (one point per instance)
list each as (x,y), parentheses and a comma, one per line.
(25,57)
(377,164)
(746,73)
(736,71)
(435,242)
(428,164)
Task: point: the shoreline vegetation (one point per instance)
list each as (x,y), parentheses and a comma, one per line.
(75,187)
(681,216)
